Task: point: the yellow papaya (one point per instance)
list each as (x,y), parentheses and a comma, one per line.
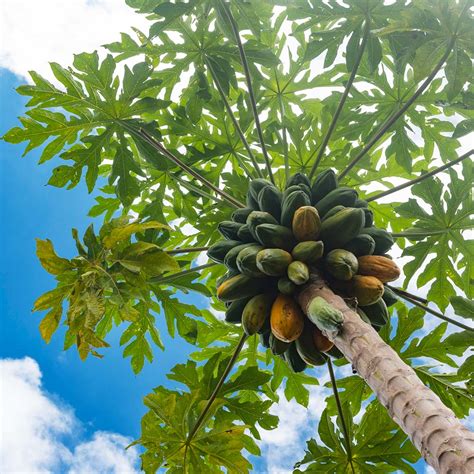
(286,319)
(380,267)
(367,289)
(306,224)
(256,312)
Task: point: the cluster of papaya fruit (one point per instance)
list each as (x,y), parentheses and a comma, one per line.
(272,244)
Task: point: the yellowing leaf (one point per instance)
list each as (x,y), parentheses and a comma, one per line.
(49,299)
(51,262)
(50,323)
(121,233)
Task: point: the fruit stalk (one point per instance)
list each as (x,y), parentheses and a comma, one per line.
(435,431)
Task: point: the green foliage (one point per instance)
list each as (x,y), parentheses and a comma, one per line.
(88,118)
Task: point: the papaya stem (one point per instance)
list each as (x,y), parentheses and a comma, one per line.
(341,415)
(248,79)
(401,292)
(396,115)
(167,278)
(342,101)
(284,131)
(232,117)
(436,313)
(215,392)
(158,146)
(421,177)
(409,233)
(186,250)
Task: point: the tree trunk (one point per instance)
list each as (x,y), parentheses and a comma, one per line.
(435,431)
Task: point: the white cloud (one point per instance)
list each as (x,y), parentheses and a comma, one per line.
(35,427)
(34,33)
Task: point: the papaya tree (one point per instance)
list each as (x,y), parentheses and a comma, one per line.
(303,167)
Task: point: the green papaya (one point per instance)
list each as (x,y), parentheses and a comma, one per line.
(273,262)
(293,359)
(308,252)
(244,234)
(256,218)
(228,274)
(341,228)
(335,352)
(341,264)
(333,211)
(256,185)
(377,313)
(383,239)
(298,272)
(292,202)
(256,311)
(369,217)
(306,189)
(323,184)
(269,200)
(306,347)
(229,229)
(286,286)
(361,203)
(275,236)
(233,313)
(389,296)
(278,347)
(338,197)
(324,315)
(363,244)
(247,261)
(240,215)
(298,178)
(290,190)
(306,224)
(265,339)
(219,250)
(251,202)
(230,260)
(240,286)
(363,316)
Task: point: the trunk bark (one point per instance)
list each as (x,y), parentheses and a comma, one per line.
(433,428)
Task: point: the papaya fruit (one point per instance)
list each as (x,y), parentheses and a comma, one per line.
(306,347)
(333,211)
(298,178)
(380,267)
(229,229)
(389,296)
(269,200)
(308,252)
(286,286)
(383,239)
(273,262)
(363,316)
(276,346)
(298,272)
(244,234)
(324,315)
(293,359)
(265,339)
(290,190)
(290,204)
(306,189)
(229,274)
(338,197)
(363,244)
(275,236)
(256,312)
(230,260)
(218,251)
(361,203)
(256,218)
(240,286)
(377,313)
(323,184)
(321,342)
(256,185)
(286,319)
(306,224)
(251,202)
(233,313)
(240,215)
(339,229)
(369,217)
(341,264)
(335,353)
(367,289)
(247,261)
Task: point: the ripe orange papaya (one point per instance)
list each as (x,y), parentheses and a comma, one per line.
(380,267)
(286,319)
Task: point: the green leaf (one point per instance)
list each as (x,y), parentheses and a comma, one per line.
(463,306)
